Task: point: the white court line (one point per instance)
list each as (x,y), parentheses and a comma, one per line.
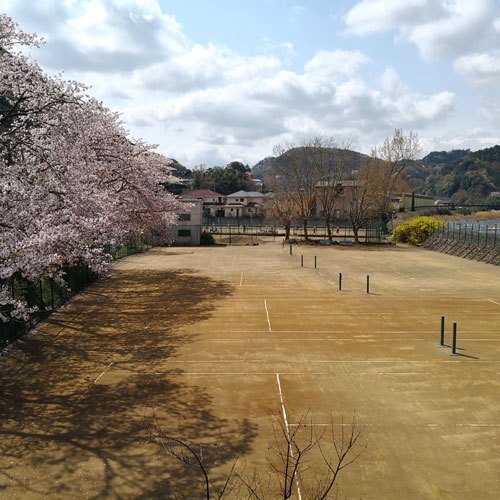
(267,314)
(105,370)
(241,279)
(343,361)
(383,425)
(463,425)
(329,340)
(246,374)
(287,428)
(494,302)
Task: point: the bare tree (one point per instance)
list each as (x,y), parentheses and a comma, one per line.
(331,163)
(396,153)
(280,204)
(299,175)
(289,468)
(380,175)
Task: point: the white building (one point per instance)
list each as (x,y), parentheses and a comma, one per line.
(187,230)
(245,204)
(212,202)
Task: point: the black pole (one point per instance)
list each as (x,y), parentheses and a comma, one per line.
(315,262)
(413,201)
(442,330)
(340,281)
(367,283)
(291,253)
(301,261)
(454,342)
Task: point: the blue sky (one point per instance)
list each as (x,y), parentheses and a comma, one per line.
(216,81)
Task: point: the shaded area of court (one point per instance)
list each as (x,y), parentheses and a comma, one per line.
(204,339)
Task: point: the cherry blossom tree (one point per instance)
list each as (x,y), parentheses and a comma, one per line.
(72,180)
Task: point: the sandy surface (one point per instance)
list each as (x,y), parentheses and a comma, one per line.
(209,342)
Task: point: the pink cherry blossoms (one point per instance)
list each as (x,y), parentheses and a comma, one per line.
(72,180)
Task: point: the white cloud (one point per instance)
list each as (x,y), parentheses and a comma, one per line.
(334,64)
(99,35)
(479,69)
(371,16)
(466,24)
(205,103)
(297,11)
(391,82)
(474,139)
(437,27)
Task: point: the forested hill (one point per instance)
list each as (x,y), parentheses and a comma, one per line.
(460,175)
(354,159)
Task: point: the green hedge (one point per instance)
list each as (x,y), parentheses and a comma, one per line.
(416,231)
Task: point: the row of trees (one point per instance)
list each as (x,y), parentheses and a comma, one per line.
(316,177)
(72,180)
(235,176)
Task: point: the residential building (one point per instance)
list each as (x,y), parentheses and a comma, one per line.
(187,230)
(212,202)
(245,204)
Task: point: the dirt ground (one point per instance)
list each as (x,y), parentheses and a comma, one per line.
(209,343)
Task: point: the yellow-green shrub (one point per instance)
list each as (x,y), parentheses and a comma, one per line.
(416,231)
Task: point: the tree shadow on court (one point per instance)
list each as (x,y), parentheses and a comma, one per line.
(76,395)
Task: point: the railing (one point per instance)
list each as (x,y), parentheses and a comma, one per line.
(47,295)
(481,234)
(231,233)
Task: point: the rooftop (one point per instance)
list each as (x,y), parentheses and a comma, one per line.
(202,193)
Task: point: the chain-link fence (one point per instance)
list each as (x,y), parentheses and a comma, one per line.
(480,234)
(45,296)
(232,232)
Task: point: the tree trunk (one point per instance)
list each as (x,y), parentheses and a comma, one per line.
(355,230)
(304,223)
(287,231)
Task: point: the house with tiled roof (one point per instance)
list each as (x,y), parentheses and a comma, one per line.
(212,202)
(245,204)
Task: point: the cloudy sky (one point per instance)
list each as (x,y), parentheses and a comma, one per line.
(212,81)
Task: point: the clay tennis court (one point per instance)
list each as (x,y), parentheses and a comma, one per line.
(212,341)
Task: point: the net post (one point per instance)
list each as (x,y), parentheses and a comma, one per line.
(442,331)
(340,281)
(454,340)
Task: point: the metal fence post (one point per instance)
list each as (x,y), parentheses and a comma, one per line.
(454,339)
(442,330)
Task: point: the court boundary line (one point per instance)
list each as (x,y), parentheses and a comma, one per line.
(267,314)
(287,428)
(104,371)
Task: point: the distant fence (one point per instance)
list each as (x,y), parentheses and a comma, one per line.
(480,242)
(342,230)
(47,295)
(480,234)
